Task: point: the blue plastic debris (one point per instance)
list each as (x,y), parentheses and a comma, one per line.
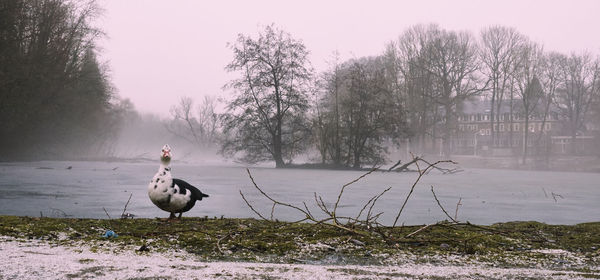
(110,233)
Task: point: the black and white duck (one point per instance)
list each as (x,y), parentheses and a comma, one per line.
(170,194)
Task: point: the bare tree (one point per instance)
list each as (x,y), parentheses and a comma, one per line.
(451,58)
(416,84)
(326,123)
(266,117)
(198,127)
(529,87)
(551,79)
(184,123)
(498,53)
(581,87)
(208,119)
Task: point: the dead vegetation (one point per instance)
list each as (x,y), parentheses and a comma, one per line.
(366,222)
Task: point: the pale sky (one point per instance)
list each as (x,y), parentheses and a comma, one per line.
(159,51)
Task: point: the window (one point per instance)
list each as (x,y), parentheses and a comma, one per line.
(501,127)
(461,127)
(548,126)
(516,127)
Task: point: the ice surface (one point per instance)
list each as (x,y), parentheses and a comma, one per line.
(488,196)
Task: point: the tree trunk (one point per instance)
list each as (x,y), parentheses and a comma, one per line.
(277,155)
(525,136)
(573,139)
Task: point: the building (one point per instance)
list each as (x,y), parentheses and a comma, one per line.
(547,133)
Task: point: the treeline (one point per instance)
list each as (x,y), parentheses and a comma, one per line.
(55,97)
(415,90)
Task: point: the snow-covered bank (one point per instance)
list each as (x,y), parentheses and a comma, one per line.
(21,259)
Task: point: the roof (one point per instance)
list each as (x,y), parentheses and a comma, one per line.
(476,106)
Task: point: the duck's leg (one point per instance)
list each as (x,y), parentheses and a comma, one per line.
(172,216)
(179,215)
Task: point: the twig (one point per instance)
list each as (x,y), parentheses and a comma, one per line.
(457,205)
(344,187)
(438,202)
(375,201)
(272,210)
(270,198)
(421,173)
(252,208)
(365,207)
(221,239)
(106,213)
(419,230)
(125,208)
(58,213)
(545,194)
(321,204)
(554,195)
(109,218)
(307,210)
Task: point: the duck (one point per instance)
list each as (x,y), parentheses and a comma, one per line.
(171,194)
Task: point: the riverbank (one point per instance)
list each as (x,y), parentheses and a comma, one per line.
(556,163)
(237,248)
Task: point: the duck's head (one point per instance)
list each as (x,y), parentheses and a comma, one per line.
(165,154)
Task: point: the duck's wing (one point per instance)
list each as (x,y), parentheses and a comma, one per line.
(185,186)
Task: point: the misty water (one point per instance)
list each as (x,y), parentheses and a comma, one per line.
(51,188)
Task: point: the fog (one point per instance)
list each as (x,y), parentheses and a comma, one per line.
(309,101)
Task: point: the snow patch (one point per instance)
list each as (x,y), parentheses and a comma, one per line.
(21,259)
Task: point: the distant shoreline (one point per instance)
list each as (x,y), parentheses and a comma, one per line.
(563,163)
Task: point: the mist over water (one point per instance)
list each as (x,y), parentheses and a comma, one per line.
(435,91)
(488,196)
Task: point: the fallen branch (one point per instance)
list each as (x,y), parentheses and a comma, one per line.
(366,221)
(332,220)
(417,159)
(412,188)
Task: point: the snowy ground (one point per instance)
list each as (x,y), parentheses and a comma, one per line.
(20,259)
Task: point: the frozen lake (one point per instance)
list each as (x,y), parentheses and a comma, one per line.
(488,196)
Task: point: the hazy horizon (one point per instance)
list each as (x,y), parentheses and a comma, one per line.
(158,52)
